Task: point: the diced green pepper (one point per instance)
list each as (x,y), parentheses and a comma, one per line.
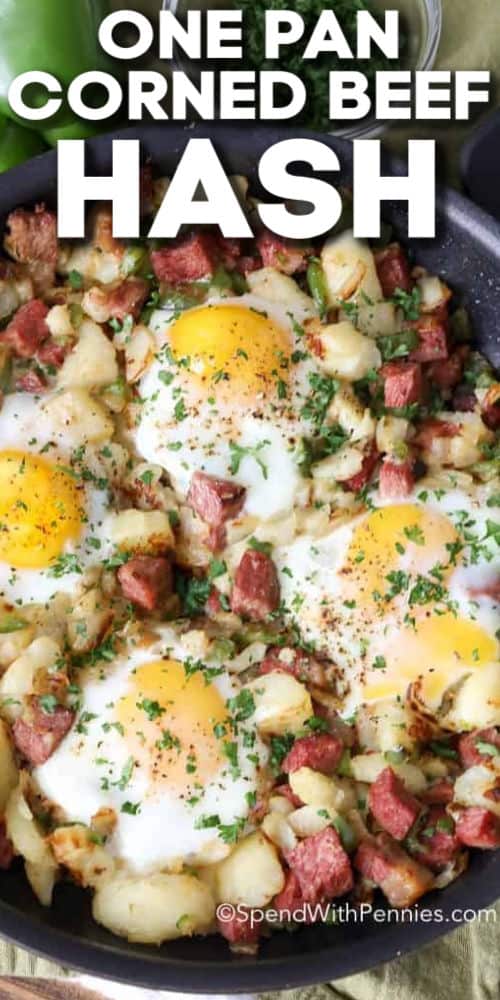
(317,286)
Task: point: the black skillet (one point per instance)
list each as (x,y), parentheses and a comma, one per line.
(466,252)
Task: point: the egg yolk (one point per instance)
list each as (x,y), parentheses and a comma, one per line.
(397,551)
(440,649)
(232,345)
(40,510)
(168,718)
(403,537)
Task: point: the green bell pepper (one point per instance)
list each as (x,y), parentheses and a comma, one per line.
(17,144)
(59,37)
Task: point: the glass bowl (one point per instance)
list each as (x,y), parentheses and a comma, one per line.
(421,23)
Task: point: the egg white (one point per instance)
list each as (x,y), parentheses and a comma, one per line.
(25,426)
(167,831)
(202,441)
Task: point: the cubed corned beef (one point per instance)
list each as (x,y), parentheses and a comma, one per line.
(478,827)
(256,589)
(146,580)
(322,867)
(403,383)
(397,479)
(191,260)
(478,746)
(402,879)
(392,805)
(433,339)
(321,752)
(27,329)
(393,270)
(357,482)
(437,843)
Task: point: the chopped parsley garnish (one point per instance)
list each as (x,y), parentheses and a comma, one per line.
(83,721)
(397,345)
(229,832)
(49,703)
(168,741)
(126,775)
(239,452)
(408,302)
(415,534)
(207,822)
(131,808)
(258,546)
(443,750)
(280,745)
(153,709)
(488,749)
(242,706)
(64,564)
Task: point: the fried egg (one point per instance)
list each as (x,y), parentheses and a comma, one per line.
(225,394)
(51,520)
(393,595)
(162,739)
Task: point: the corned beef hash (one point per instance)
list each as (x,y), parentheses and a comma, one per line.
(249,576)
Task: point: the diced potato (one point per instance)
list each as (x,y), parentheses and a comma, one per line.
(12,644)
(355,419)
(313,788)
(88,621)
(376,319)
(150,909)
(391,433)
(346,462)
(8,767)
(95,304)
(82,419)
(282,704)
(49,619)
(280,804)
(345,352)
(349,267)
(434,293)
(472,787)
(76,848)
(316,789)
(385,725)
(92,363)
(367,767)
(17,681)
(275,287)
(42,879)
(252,874)
(59,322)
(309,820)
(462,450)
(91,263)
(253,653)
(476,704)
(433,767)
(145,531)
(279,832)
(139,353)
(24,833)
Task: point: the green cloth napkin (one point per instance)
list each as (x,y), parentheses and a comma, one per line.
(464,965)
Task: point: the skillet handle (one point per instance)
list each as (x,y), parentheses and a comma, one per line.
(480,165)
